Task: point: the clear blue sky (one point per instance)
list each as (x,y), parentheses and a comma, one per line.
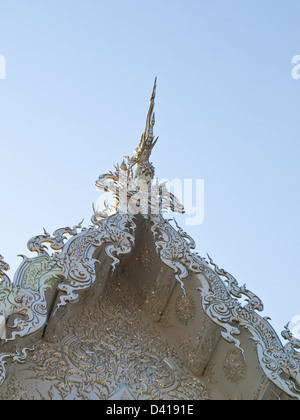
(79,77)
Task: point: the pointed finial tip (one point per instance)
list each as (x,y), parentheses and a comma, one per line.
(154,89)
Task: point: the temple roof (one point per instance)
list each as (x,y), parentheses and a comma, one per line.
(135,261)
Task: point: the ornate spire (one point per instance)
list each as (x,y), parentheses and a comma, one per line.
(148,141)
(150,122)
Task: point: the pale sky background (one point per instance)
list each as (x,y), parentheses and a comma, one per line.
(79,79)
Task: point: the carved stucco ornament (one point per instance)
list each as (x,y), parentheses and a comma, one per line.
(72,269)
(107,356)
(221,303)
(185,309)
(235,367)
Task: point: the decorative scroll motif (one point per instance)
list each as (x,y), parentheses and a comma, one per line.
(27,295)
(18,356)
(57,241)
(234,367)
(7,291)
(185,309)
(26,298)
(3,267)
(40,273)
(275,360)
(116,351)
(76,260)
(254,303)
(173,249)
(73,270)
(293,345)
(222,305)
(287,360)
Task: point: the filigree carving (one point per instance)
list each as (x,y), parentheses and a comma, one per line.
(224,306)
(17,356)
(135,195)
(73,270)
(135,192)
(57,241)
(190,347)
(254,303)
(185,309)
(220,303)
(142,153)
(197,350)
(157,297)
(172,248)
(7,290)
(116,350)
(146,259)
(25,298)
(3,267)
(76,260)
(275,360)
(234,367)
